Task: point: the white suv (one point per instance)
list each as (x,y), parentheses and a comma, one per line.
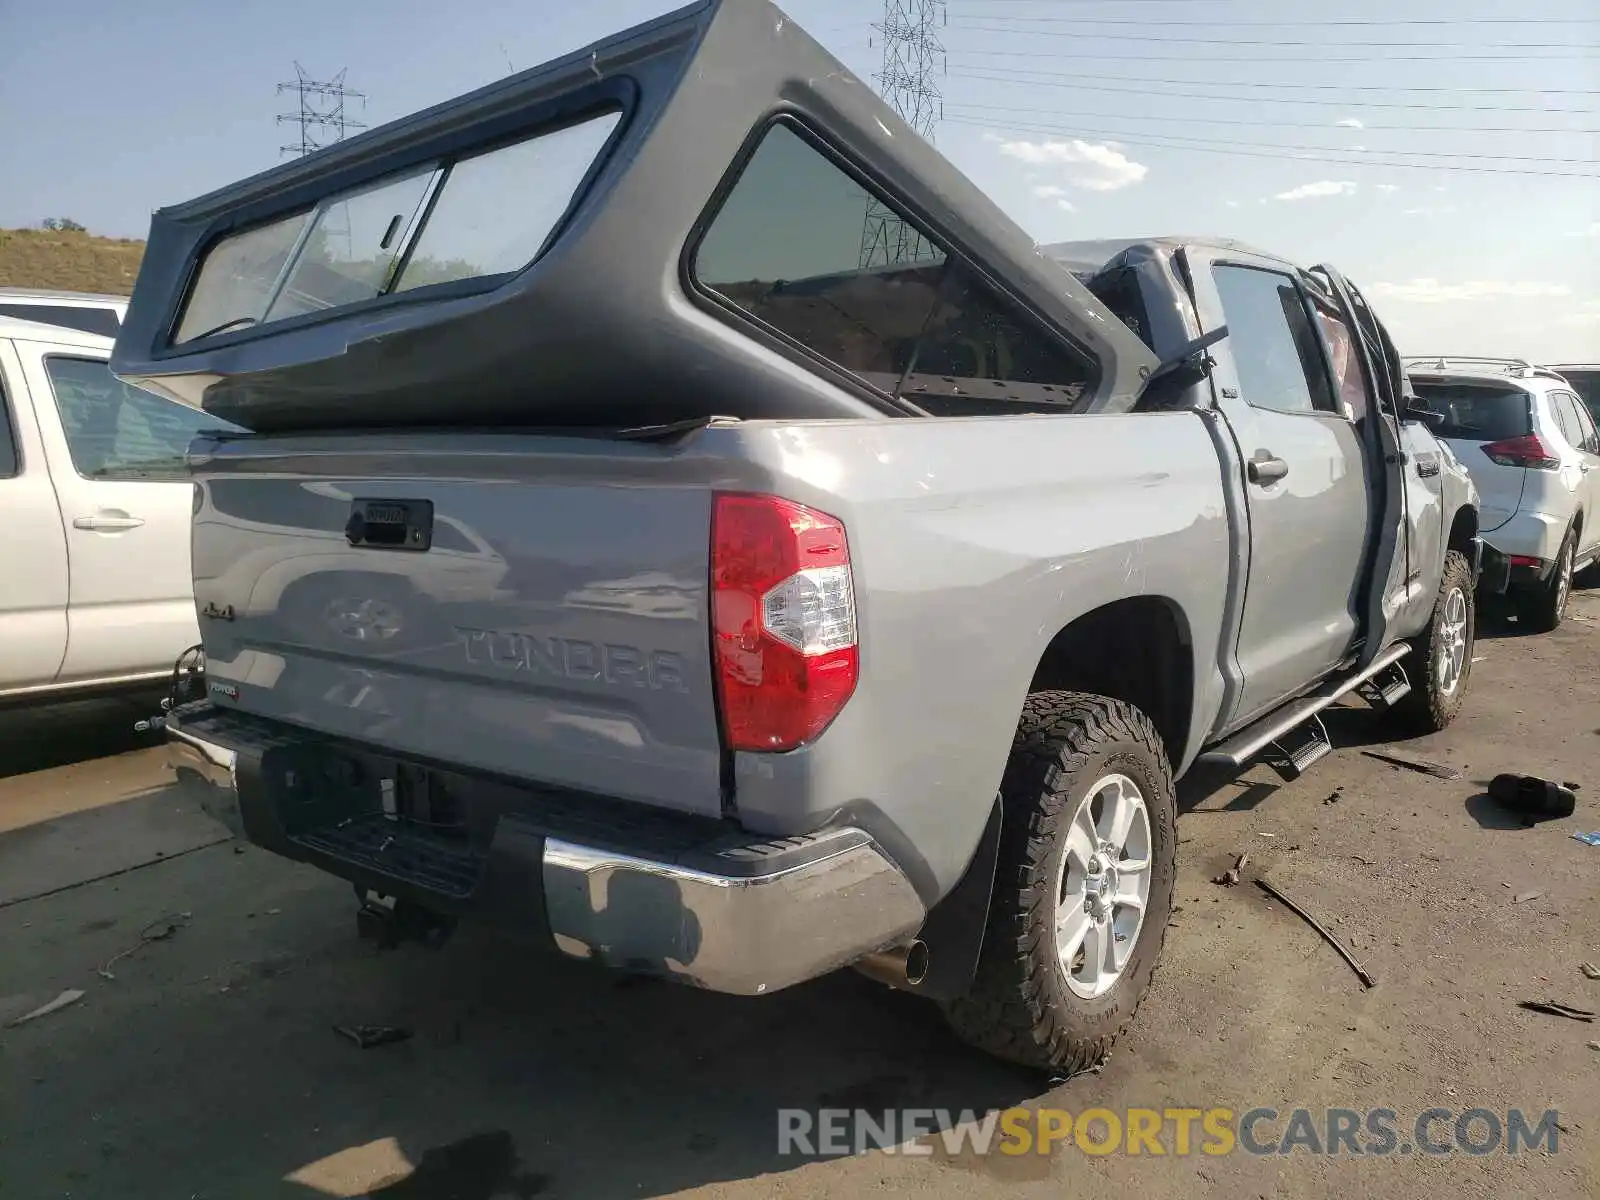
(96,503)
(1532,447)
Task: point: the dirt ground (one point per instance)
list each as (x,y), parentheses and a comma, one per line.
(208,1066)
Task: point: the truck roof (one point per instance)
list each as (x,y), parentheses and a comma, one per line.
(55,296)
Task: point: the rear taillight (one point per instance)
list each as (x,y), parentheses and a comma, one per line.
(783,620)
(1525,451)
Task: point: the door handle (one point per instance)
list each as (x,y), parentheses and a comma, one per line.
(1264,468)
(107,522)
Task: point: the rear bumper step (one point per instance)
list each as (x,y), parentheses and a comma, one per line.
(728,912)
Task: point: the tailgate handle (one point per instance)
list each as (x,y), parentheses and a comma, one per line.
(390,524)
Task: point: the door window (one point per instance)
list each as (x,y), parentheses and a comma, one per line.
(1561,405)
(854,281)
(1275,349)
(117,431)
(1576,426)
(1349,384)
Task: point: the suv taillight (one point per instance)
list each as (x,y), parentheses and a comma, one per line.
(1525,451)
(783,620)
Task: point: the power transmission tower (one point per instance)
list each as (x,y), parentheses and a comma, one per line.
(912,57)
(321,113)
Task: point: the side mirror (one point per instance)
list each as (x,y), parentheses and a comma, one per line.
(1418,410)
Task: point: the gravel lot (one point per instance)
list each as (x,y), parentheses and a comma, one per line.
(207,1067)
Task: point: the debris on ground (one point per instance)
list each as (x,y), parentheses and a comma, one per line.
(367,1036)
(1335,796)
(70,996)
(1532,796)
(1592,839)
(1230,877)
(1362,973)
(1553,1009)
(1589,969)
(1426,765)
(158,930)
(1366,862)
(1594,1045)
(1524,897)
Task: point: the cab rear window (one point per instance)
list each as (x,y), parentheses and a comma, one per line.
(473,217)
(1477,412)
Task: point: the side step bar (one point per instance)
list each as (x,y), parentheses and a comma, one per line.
(1252,739)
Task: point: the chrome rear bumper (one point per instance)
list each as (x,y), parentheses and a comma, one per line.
(747,919)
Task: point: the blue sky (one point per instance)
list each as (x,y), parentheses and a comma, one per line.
(1305,129)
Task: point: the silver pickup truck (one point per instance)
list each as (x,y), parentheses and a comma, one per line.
(685,521)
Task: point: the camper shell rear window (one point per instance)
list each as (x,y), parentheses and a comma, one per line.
(474,216)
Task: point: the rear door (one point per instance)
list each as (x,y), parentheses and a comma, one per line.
(1307,485)
(1580,430)
(33,549)
(115,454)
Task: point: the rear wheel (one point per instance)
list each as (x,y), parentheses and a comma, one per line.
(1443,654)
(1083,887)
(1543,606)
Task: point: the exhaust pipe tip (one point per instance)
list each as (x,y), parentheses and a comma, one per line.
(898,967)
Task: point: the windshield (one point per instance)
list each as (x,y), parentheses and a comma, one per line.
(484,215)
(1477,412)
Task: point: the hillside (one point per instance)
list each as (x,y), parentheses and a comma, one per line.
(73,262)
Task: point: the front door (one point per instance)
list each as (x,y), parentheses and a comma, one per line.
(33,589)
(1308,488)
(116,457)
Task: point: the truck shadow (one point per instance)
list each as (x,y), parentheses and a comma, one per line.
(45,737)
(547,1077)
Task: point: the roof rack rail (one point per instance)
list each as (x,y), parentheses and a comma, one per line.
(1519,367)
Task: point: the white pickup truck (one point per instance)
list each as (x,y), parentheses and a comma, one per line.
(96,590)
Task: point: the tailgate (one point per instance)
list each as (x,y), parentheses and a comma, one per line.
(534,608)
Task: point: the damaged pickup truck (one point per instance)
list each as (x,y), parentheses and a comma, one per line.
(684,520)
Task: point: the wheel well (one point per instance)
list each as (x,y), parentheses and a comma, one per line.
(1463,529)
(1137,650)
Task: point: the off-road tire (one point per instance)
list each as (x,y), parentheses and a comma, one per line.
(1427,708)
(1019,1007)
(1542,607)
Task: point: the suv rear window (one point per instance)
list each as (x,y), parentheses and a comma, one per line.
(480,216)
(1477,412)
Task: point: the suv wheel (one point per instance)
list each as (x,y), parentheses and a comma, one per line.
(1083,887)
(1543,606)
(1442,658)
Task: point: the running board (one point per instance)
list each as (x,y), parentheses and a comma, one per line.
(1387,688)
(1303,745)
(1253,739)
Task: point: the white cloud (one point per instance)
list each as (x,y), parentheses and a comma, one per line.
(1431,291)
(1323,187)
(1049,191)
(1231,203)
(1388,189)
(1093,166)
(1593,231)
(1066,206)
(1417,212)
(1352,123)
